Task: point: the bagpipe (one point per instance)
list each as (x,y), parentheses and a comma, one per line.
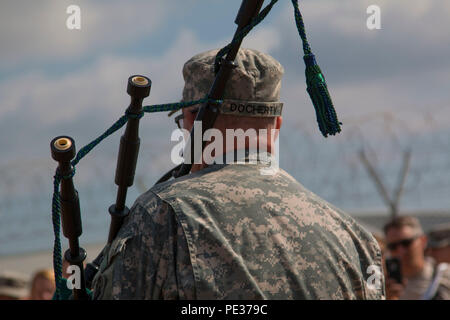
(66,206)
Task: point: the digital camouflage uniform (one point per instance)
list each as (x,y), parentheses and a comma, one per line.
(230,232)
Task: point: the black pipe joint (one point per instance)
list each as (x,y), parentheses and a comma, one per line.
(77,260)
(118,213)
(117,217)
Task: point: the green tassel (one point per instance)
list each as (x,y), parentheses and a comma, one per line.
(318,91)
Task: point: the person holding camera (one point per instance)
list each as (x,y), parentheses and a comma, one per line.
(412,275)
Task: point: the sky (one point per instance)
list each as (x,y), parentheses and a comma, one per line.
(390,88)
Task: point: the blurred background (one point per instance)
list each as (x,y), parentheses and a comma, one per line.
(390,88)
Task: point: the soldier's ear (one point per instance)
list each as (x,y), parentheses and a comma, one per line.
(279,122)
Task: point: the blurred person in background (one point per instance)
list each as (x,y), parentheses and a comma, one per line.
(439,243)
(13,286)
(42,285)
(422,278)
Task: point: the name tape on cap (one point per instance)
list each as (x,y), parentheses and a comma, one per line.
(251,109)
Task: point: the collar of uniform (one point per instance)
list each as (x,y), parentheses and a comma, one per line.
(247,157)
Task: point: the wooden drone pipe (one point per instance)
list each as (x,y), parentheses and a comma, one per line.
(138,88)
(63,151)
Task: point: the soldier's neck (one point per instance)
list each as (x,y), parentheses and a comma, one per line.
(264,148)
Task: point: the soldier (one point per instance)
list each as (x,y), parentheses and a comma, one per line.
(228,231)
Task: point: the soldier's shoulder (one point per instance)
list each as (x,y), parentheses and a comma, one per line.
(341,223)
(363,235)
(148,201)
(222,175)
(148,210)
(251,180)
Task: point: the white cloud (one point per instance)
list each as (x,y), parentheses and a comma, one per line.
(101,85)
(415,17)
(265,39)
(402,100)
(36,31)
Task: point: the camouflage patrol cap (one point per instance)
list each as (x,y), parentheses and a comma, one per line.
(439,236)
(253,88)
